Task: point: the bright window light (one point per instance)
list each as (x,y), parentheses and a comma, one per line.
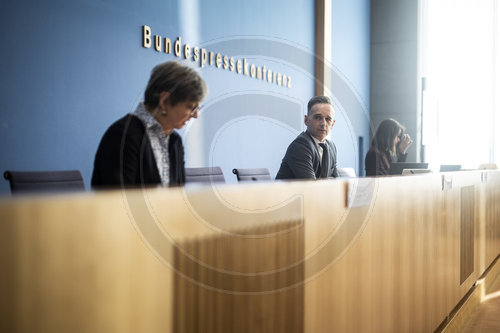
(460,61)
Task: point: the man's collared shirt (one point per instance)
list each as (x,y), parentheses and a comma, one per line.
(320,149)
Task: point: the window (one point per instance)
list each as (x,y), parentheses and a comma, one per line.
(459,64)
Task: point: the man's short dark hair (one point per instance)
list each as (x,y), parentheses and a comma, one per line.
(182,83)
(318,100)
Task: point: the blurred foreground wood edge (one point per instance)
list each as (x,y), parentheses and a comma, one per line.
(394,254)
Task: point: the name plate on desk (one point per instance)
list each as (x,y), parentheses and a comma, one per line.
(359,192)
(446,182)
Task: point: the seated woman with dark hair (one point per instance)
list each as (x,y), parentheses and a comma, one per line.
(142,148)
(387,146)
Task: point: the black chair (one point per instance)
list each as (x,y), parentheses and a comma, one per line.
(38,182)
(257,174)
(205,175)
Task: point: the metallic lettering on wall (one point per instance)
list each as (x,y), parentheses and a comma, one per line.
(203,58)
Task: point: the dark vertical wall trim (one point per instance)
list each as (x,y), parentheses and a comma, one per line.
(361,157)
(319,47)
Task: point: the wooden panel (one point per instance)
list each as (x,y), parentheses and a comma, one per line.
(461,315)
(466,232)
(403,271)
(78,266)
(256,286)
(491,218)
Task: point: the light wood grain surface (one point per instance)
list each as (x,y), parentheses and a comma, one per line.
(275,257)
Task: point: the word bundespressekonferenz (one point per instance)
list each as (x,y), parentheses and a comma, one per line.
(208,58)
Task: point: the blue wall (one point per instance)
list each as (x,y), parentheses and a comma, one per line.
(351,78)
(71,68)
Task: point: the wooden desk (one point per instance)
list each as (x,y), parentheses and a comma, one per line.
(273,257)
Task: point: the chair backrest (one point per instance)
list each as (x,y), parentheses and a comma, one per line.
(37,182)
(205,175)
(346,172)
(256,174)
